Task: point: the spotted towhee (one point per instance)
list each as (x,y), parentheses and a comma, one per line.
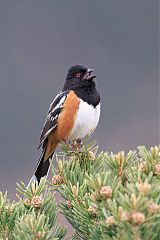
(73,114)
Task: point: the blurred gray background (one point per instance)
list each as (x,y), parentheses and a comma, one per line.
(41,39)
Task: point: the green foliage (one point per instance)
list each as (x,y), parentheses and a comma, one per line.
(106,196)
(33,217)
(8,213)
(110,196)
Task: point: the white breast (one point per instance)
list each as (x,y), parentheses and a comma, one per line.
(86,121)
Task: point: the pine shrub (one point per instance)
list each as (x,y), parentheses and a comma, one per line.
(105,196)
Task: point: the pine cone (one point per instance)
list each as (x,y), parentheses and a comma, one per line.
(57,180)
(153,208)
(138,218)
(36,201)
(143,187)
(157,169)
(110,220)
(123,215)
(106,192)
(92,211)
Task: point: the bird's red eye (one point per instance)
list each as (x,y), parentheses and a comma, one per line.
(78,75)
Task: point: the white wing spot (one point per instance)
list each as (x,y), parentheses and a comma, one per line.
(60,103)
(49,131)
(49,115)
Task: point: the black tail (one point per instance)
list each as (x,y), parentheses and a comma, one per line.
(43,166)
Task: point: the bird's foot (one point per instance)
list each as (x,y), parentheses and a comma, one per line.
(76,144)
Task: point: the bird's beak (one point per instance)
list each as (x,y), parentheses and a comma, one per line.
(88,75)
(90,70)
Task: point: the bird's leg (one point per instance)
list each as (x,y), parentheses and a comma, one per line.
(79,144)
(76,144)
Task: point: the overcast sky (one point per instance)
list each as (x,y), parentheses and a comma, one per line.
(40,40)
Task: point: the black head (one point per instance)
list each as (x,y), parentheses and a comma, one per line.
(80,73)
(80,80)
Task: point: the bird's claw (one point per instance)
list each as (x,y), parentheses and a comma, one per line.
(76,144)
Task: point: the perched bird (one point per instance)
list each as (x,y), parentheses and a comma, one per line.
(73,114)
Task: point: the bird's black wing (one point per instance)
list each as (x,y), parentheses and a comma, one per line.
(52,116)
